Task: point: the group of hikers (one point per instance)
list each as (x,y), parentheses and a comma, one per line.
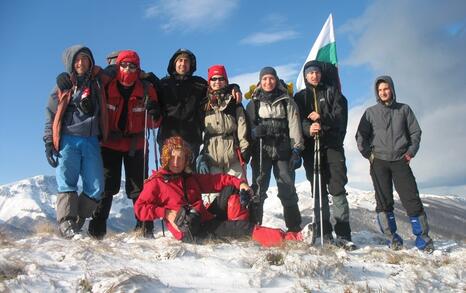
(98,120)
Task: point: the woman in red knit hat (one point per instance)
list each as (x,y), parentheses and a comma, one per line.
(226,141)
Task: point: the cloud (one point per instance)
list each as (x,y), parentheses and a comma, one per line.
(188,15)
(263,38)
(287,72)
(413,41)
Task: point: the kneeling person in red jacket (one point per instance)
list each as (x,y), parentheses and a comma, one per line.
(174,193)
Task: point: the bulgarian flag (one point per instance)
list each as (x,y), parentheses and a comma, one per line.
(324,49)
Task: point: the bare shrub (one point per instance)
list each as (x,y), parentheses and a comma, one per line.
(84,285)
(10,271)
(44,228)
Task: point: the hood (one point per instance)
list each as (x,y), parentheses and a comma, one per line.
(70,54)
(171,64)
(387,79)
(309,64)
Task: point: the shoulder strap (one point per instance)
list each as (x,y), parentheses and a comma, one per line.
(285,107)
(145,85)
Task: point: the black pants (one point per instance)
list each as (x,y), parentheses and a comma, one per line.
(285,183)
(219,229)
(134,177)
(333,180)
(384,175)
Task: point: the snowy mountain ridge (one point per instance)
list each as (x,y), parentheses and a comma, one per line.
(33,258)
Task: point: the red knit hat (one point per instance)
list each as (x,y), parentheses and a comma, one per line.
(128,56)
(217,70)
(175,143)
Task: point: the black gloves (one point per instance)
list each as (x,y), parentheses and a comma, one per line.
(64,82)
(246,155)
(259,131)
(188,220)
(153,108)
(244,197)
(51,154)
(295,160)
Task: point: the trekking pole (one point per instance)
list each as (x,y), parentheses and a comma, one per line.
(258,196)
(145,145)
(156,168)
(319,186)
(243,165)
(155,150)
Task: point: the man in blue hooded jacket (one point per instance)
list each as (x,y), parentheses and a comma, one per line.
(76,119)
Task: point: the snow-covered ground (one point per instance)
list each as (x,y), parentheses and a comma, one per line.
(33,258)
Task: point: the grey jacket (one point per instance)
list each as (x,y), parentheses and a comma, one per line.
(283,126)
(388,131)
(71,119)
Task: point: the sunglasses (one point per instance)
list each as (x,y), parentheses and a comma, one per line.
(221,78)
(131,66)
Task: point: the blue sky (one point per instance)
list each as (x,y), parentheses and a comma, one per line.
(420,43)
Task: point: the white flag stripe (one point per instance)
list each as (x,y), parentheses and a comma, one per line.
(326,36)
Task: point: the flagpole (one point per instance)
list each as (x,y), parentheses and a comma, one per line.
(323,49)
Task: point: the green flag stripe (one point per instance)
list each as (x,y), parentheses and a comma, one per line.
(328,53)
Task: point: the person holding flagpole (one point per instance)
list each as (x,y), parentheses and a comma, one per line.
(324,114)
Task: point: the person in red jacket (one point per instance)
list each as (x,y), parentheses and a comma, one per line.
(174,193)
(132,106)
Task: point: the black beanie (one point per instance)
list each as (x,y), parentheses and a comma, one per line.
(268,70)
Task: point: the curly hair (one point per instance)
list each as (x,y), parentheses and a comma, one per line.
(175,143)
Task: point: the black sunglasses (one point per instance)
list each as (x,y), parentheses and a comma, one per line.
(220,78)
(131,66)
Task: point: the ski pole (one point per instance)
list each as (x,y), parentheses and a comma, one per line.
(156,168)
(319,174)
(258,196)
(243,164)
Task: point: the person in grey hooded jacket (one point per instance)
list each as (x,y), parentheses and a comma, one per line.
(277,143)
(76,119)
(388,136)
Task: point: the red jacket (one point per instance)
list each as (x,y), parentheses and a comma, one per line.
(164,190)
(133,134)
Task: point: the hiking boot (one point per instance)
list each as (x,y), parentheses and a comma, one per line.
(396,243)
(421,231)
(344,243)
(294,229)
(429,248)
(80,223)
(97,228)
(145,228)
(309,233)
(67,229)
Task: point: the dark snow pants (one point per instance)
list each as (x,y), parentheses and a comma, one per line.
(333,181)
(134,177)
(384,175)
(286,190)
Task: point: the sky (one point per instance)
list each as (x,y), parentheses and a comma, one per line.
(420,43)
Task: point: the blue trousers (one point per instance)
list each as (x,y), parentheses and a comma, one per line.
(80,156)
